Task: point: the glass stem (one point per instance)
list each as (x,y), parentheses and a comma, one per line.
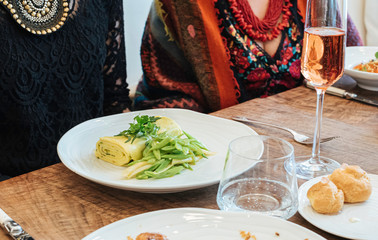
(319,114)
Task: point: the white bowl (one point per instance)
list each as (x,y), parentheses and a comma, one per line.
(355,56)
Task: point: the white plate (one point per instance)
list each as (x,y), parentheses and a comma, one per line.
(76,150)
(342,224)
(355,56)
(203,224)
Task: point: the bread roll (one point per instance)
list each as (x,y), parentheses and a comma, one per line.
(325,197)
(353,181)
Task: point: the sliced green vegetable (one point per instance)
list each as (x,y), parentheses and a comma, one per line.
(169,173)
(164,155)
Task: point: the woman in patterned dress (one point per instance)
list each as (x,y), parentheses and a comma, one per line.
(208,55)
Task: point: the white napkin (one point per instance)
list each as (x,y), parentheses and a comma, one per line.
(4,217)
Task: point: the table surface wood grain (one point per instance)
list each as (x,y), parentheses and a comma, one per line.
(55,203)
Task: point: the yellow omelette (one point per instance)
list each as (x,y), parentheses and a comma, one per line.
(116,149)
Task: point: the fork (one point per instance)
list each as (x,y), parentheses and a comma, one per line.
(298,137)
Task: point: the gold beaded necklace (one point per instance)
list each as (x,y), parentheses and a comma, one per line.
(38,16)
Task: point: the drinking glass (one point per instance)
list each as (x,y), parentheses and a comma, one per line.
(255,179)
(322,64)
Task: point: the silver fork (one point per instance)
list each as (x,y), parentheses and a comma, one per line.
(298,137)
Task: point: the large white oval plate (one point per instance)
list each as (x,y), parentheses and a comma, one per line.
(203,224)
(76,150)
(355,221)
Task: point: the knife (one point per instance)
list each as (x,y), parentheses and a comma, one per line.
(13,228)
(345,94)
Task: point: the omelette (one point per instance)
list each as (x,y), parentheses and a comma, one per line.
(119,151)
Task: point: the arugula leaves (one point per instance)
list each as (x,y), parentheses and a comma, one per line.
(143,126)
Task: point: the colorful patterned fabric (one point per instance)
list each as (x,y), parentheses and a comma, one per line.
(259,74)
(196,56)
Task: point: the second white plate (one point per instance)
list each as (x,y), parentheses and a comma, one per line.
(76,150)
(355,221)
(203,224)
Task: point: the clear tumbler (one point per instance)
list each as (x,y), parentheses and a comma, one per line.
(255,177)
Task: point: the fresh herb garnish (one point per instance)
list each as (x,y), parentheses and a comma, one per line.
(143,126)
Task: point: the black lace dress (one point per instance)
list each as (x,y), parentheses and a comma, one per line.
(50,83)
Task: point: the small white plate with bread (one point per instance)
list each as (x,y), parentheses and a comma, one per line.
(357,220)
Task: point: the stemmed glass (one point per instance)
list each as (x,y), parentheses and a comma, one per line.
(322,65)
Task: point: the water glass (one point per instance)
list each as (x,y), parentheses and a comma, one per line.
(255,177)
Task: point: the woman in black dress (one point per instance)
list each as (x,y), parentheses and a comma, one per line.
(61,62)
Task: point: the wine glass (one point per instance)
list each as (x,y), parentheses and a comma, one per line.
(322,64)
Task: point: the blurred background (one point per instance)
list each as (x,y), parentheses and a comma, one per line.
(135,15)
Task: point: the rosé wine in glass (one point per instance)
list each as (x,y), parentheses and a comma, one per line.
(322,64)
(323,61)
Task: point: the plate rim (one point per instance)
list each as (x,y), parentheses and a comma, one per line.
(145,188)
(302,192)
(208,211)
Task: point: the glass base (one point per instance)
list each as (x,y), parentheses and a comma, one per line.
(308,168)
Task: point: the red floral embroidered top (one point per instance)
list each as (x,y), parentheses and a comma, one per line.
(258,73)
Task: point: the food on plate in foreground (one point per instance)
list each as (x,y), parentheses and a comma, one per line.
(325,197)
(347,184)
(353,181)
(149,236)
(157,236)
(247,235)
(371,66)
(152,147)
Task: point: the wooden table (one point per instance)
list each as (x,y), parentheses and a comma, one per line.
(55,203)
